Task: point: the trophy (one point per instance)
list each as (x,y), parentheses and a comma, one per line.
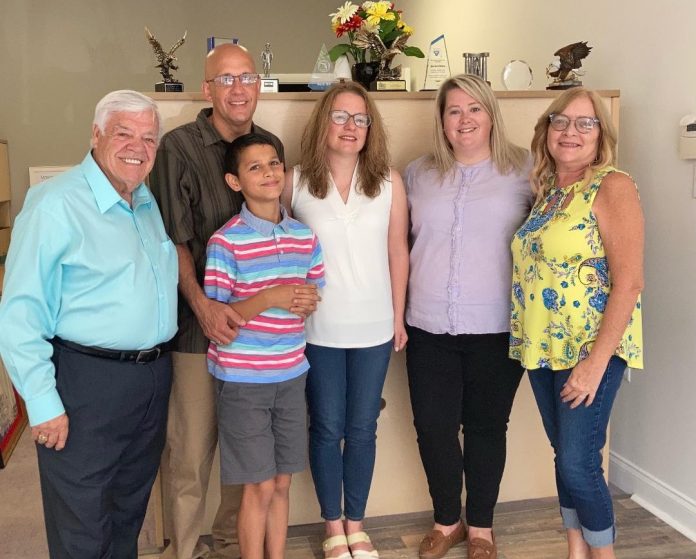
(322,76)
(565,69)
(437,69)
(213,42)
(268,84)
(388,78)
(476,63)
(166,63)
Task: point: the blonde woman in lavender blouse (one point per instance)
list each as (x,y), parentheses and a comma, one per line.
(467,198)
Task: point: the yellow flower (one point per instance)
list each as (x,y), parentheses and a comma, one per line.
(377,11)
(407,29)
(343,14)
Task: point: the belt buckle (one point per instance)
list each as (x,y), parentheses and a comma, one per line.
(144,356)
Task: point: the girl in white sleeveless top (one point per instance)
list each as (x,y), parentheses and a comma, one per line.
(346,192)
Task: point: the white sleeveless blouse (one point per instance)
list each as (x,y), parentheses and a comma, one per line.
(356,307)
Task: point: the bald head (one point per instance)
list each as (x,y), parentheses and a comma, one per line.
(233,105)
(226,54)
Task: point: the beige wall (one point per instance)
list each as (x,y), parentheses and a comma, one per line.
(58,58)
(646,50)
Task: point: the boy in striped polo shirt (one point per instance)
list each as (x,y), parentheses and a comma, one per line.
(267,266)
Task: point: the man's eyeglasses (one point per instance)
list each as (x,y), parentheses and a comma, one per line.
(583,124)
(227,80)
(361,120)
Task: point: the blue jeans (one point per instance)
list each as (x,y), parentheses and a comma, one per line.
(344,390)
(577,437)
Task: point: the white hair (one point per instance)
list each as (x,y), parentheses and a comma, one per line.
(125,101)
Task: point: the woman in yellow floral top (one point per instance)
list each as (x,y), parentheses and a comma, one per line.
(576,318)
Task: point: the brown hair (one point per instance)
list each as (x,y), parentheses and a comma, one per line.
(506,156)
(373,159)
(543,172)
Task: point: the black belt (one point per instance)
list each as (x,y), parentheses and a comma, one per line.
(137,356)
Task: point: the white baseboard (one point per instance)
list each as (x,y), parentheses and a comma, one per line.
(662,500)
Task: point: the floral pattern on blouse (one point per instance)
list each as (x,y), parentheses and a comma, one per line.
(561,283)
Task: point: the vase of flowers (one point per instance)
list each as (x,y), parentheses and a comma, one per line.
(364,73)
(376,34)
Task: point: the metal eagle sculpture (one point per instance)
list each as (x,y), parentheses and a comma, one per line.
(165,59)
(569,61)
(372,41)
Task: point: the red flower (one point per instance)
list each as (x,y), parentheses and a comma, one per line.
(354,22)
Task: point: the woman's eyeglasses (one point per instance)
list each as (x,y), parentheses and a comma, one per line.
(583,124)
(361,120)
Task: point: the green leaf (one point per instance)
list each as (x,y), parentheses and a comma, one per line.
(391,37)
(413,51)
(339,50)
(386,27)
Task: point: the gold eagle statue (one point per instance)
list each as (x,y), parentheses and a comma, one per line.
(570,58)
(165,59)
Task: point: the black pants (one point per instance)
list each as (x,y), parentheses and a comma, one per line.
(465,380)
(95,491)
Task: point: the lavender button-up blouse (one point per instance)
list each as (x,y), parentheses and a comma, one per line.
(461,228)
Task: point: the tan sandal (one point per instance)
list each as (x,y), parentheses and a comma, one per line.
(361,537)
(332,543)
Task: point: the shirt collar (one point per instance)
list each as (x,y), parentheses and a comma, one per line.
(262,226)
(104,193)
(208,132)
(483,163)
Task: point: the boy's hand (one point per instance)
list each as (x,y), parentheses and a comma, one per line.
(299,299)
(306,299)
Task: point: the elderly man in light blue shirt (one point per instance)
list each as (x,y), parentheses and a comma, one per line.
(89,297)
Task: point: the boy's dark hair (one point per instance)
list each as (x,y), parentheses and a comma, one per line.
(235,149)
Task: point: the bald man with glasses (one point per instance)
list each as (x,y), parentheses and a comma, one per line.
(188,182)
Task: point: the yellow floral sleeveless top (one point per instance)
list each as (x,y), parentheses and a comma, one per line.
(561,283)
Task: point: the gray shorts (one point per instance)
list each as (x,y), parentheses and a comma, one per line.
(262,429)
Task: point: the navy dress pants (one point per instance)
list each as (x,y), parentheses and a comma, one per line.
(95,491)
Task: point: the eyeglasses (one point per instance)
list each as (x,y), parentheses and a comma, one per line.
(227,80)
(583,124)
(361,120)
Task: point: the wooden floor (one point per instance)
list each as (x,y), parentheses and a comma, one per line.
(524,530)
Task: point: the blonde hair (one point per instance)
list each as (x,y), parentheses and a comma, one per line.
(373,159)
(506,156)
(544,169)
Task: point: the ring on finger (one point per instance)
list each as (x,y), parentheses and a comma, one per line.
(42,439)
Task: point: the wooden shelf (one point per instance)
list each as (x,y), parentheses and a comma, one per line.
(4,214)
(5,192)
(4,241)
(383,95)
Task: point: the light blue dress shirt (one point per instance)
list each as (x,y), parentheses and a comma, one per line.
(85,266)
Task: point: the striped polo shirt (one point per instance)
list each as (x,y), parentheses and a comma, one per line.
(245,256)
